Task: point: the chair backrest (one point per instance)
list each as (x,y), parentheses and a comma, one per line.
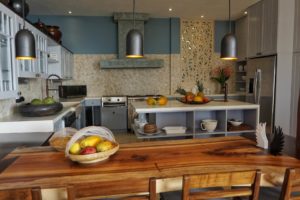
(95,189)
(219,185)
(291,184)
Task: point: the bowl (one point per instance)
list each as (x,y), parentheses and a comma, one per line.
(235,122)
(29,110)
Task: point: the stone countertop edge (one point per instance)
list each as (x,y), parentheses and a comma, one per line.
(176,106)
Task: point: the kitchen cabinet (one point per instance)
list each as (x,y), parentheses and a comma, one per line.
(241,32)
(8,73)
(60,62)
(240,77)
(297,27)
(262,34)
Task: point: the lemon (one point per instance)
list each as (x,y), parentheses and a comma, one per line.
(75,148)
(91,141)
(104,146)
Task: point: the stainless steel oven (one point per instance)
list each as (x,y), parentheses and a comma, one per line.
(114,113)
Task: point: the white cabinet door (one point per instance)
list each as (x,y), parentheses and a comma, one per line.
(255,29)
(241,31)
(297,27)
(262,35)
(8,73)
(269,27)
(42,55)
(63,66)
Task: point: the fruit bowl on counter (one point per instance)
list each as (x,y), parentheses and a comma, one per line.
(40,108)
(91,144)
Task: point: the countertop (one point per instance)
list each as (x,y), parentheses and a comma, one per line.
(176,106)
(17,123)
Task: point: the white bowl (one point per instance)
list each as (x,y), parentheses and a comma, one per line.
(235,123)
(174,129)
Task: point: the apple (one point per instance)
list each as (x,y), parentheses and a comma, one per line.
(88,150)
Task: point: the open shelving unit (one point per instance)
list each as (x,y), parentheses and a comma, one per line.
(192,120)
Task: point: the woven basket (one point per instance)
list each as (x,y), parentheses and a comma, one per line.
(60,138)
(95,157)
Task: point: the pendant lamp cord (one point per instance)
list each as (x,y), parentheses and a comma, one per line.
(229,17)
(23,10)
(133,14)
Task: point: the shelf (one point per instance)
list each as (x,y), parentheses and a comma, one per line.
(245,131)
(202,132)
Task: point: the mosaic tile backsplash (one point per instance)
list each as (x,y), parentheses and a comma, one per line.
(198,57)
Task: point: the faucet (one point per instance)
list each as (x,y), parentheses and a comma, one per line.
(47,84)
(225,92)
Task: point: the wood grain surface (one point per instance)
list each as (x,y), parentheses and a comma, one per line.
(43,167)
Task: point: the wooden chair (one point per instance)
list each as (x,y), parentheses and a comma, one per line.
(32,194)
(291,184)
(247,182)
(80,191)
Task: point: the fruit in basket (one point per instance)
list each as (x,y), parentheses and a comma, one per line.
(162,100)
(75,148)
(88,150)
(198,99)
(48,100)
(189,97)
(151,101)
(36,102)
(90,141)
(105,146)
(205,99)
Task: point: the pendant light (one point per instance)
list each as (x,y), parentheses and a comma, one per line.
(228,44)
(134,40)
(24,41)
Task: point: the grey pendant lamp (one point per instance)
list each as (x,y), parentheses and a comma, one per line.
(24,41)
(228,44)
(134,40)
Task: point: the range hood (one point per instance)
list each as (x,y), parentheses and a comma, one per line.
(124,21)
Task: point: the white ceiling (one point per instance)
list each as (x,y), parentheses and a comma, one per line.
(189,9)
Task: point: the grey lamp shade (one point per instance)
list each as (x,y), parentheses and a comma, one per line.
(229,47)
(134,44)
(25,45)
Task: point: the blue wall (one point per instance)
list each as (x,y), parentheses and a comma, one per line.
(98,35)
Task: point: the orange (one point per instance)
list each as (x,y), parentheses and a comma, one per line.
(162,100)
(198,99)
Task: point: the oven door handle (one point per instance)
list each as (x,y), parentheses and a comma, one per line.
(114,106)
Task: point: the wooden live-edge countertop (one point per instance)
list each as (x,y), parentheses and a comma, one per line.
(136,163)
(176,106)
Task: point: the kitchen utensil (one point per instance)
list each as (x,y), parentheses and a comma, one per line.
(209,125)
(235,122)
(174,129)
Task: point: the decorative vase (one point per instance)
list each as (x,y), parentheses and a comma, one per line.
(41,26)
(17,7)
(55,33)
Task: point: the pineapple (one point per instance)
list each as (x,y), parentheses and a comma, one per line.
(181,91)
(200,89)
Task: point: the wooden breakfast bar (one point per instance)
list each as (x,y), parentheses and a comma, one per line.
(129,170)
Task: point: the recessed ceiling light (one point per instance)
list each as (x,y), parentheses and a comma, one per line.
(70,12)
(202,16)
(245,13)
(170,9)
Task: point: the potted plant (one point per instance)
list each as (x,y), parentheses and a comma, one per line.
(221,75)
